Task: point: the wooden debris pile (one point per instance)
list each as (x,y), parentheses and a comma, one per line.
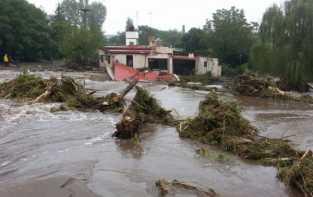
(220,123)
(252,85)
(143,109)
(298,173)
(165,187)
(27,87)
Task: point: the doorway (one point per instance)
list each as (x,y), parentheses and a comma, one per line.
(130,61)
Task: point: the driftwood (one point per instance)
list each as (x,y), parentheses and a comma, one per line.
(47,93)
(166,187)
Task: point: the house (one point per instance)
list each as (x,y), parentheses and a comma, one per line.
(157,57)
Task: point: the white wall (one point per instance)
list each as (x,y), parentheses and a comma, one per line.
(212,66)
(132,37)
(216,70)
(140,61)
(121,58)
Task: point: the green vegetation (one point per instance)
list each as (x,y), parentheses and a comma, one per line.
(144,109)
(285,44)
(28,87)
(24,31)
(28,34)
(220,123)
(78,35)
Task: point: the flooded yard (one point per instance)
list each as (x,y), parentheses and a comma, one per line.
(37,144)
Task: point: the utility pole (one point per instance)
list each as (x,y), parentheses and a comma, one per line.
(84,9)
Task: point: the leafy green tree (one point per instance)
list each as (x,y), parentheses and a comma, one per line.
(232,36)
(24,31)
(169,38)
(196,40)
(79,34)
(118,39)
(288,34)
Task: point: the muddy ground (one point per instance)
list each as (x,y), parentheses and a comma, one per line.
(39,148)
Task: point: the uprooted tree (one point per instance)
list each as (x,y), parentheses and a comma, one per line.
(220,123)
(142,110)
(251,84)
(27,87)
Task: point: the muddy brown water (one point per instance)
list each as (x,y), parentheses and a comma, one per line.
(36,144)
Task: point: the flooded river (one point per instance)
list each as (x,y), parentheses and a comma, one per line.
(37,144)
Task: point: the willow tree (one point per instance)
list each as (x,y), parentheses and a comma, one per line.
(286,43)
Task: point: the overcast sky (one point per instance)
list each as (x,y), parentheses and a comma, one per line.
(167,14)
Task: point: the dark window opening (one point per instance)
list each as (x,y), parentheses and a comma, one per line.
(157,64)
(102,58)
(184,67)
(205,64)
(130,60)
(108,58)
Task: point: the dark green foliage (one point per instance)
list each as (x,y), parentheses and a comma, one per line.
(285,47)
(116,40)
(168,38)
(24,31)
(197,41)
(232,36)
(78,36)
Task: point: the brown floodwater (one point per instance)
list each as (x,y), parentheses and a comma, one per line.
(37,144)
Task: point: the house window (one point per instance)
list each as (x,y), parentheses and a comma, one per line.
(102,58)
(205,64)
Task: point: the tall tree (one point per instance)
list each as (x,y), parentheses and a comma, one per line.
(196,40)
(24,31)
(288,34)
(232,36)
(78,31)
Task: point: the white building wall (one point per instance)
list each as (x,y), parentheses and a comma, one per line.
(200,65)
(140,61)
(216,70)
(132,37)
(120,58)
(212,66)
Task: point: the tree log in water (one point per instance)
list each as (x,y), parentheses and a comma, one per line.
(143,109)
(166,187)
